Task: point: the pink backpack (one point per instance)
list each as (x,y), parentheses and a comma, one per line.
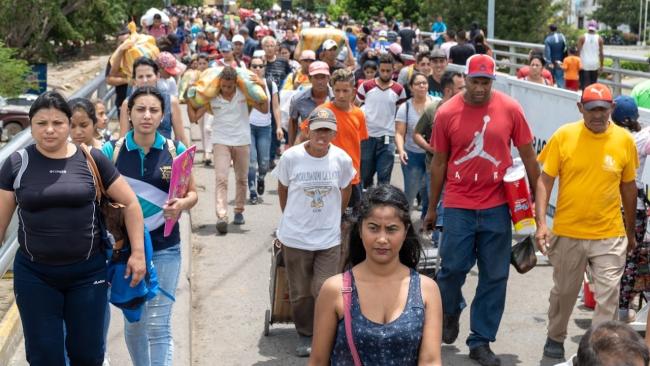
(347,318)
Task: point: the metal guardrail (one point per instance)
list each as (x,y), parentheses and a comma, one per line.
(516,56)
(95,88)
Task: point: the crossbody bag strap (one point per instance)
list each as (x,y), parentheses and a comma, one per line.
(347,317)
(116,150)
(171,147)
(99,186)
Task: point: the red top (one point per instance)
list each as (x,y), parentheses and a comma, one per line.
(478,141)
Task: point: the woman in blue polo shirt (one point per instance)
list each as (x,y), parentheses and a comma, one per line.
(144,157)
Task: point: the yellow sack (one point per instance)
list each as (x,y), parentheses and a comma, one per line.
(143,46)
(207,87)
(313,38)
(189,78)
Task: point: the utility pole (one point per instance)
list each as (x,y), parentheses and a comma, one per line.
(490,19)
(645,22)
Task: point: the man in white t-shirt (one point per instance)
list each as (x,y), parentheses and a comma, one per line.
(380,97)
(231,138)
(314,186)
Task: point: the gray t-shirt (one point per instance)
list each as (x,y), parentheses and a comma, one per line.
(407,113)
(302,104)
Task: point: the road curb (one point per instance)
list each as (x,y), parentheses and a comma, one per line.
(186,270)
(11,333)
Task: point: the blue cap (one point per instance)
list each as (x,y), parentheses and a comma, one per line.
(225,46)
(625,108)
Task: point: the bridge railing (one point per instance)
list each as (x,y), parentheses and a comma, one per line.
(511,55)
(96,88)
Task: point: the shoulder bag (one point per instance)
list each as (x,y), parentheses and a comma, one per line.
(347,318)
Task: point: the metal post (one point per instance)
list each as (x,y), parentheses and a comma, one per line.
(490,19)
(513,60)
(645,22)
(640,19)
(616,65)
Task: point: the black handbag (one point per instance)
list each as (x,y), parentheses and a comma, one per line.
(523,256)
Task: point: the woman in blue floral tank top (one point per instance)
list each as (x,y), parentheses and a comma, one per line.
(396,313)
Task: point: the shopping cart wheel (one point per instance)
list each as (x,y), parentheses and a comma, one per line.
(267,321)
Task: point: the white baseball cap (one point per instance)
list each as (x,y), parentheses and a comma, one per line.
(329,44)
(238,38)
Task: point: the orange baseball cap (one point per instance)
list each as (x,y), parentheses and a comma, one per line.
(596,95)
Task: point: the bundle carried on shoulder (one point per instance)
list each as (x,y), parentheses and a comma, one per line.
(189,78)
(142,46)
(313,38)
(207,87)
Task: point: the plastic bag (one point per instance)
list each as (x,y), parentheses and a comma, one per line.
(189,78)
(143,46)
(207,87)
(523,256)
(147,19)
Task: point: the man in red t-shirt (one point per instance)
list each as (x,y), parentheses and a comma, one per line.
(472,140)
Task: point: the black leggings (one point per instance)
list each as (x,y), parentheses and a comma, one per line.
(49,297)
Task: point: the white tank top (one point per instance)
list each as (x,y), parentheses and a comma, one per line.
(590,55)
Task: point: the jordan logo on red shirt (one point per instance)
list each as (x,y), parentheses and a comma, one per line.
(475,148)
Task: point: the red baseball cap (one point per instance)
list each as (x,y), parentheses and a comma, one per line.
(167,61)
(596,95)
(480,66)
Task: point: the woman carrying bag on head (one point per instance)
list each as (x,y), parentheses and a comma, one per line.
(60,268)
(393,314)
(144,157)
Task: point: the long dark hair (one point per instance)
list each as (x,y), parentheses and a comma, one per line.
(384,195)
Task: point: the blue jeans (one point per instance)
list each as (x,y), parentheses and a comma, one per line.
(149,341)
(62,310)
(259,156)
(377,157)
(482,237)
(415,173)
(558,76)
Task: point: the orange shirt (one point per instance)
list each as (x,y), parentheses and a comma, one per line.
(350,131)
(571,66)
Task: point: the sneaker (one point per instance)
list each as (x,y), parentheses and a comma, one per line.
(239,219)
(303,349)
(260,186)
(450,328)
(484,356)
(553,349)
(253,200)
(222,225)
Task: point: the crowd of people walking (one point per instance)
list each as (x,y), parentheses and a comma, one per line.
(339,106)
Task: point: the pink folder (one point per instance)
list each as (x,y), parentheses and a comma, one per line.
(179,181)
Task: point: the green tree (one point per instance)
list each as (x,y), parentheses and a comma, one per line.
(617,12)
(13,73)
(519,20)
(364,9)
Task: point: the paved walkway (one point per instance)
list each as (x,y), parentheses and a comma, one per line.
(230,293)
(230,287)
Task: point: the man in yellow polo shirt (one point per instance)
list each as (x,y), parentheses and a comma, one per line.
(595,161)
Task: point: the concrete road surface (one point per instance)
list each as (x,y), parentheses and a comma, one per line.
(231,293)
